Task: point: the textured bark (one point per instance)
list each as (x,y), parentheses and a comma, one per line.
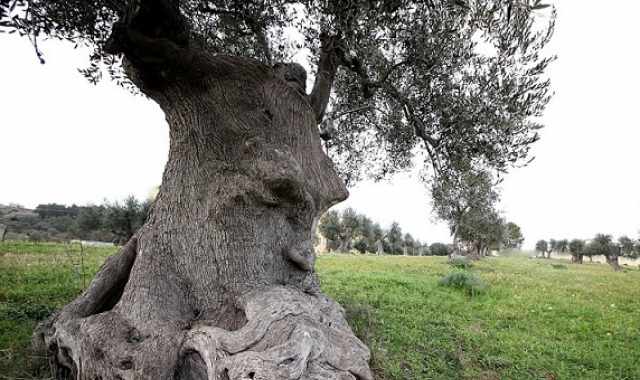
(219,283)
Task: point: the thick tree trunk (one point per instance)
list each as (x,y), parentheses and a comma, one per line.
(220,282)
(3,232)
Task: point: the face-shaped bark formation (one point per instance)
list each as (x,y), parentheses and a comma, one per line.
(220,283)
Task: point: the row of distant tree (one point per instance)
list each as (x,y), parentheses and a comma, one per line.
(349,230)
(110,221)
(600,245)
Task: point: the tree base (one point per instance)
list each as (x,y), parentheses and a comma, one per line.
(288,334)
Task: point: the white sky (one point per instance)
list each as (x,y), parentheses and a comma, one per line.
(66,141)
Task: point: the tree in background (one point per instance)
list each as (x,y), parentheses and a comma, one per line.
(482,231)
(330,227)
(124,219)
(590,250)
(627,247)
(542,247)
(247,178)
(576,248)
(109,222)
(349,229)
(439,249)
(553,247)
(465,199)
(394,240)
(409,245)
(513,237)
(52,210)
(377,237)
(562,245)
(603,244)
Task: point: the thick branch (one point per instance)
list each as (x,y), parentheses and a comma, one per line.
(327,68)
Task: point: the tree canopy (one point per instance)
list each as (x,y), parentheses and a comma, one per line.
(459,82)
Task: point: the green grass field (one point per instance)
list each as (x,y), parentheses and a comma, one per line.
(538,319)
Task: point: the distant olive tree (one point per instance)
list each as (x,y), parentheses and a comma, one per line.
(542,247)
(439,249)
(627,246)
(562,246)
(576,247)
(513,237)
(553,246)
(603,244)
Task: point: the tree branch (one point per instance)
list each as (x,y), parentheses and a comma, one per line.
(327,68)
(252,22)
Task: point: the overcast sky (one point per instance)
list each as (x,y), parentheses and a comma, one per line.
(66,141)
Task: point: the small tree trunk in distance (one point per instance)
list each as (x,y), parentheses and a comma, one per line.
(219,284)
(612,259)
(3,232)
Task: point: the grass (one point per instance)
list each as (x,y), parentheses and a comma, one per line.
(532,322)
(461,279)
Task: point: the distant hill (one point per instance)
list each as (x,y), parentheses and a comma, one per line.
(110,222)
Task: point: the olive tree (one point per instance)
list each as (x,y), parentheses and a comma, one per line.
(513,237)
(562,245)
(576,247)
(603,244)
(542,247)
(627,246)
(482,230)
(464,199)
(219,282)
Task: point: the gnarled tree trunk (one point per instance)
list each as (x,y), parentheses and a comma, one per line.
(219,283)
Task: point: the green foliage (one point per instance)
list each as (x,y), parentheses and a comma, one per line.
(513,237)
(562,245)
(576,247)
(461,262)
(439,249)
(422,74)
(542,246)
(627,247)
(110,222)
(395,239)
(467,281)
(348,230)
(601,244)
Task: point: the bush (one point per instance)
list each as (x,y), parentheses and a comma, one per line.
(460,262)
(466,281)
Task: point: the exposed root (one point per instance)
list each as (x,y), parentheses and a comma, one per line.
(288,335)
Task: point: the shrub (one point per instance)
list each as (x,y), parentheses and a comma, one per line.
(460,262)
(466,281)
